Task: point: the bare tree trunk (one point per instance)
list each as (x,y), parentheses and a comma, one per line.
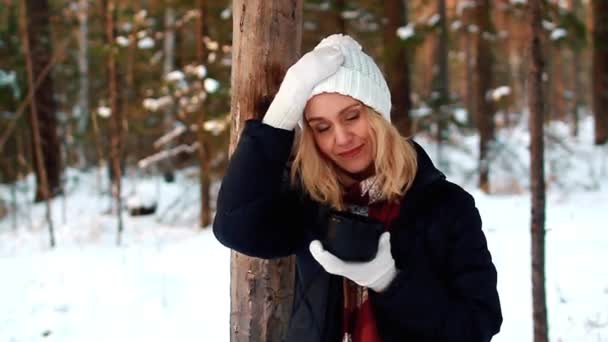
(557,105)
(339,7)
(127,90)
(469,95)
(599,75)
(83,64)
(41,52)
(99,151)
(203,146)
(443,86)
(9,174)
(14,206)
(574,6)
(576,97)
(23,169)
(266,40)
(168,66)
(42,185)
(537,180)
(13,171)
(484,108)
(85,110)
(83,68)
(109,11)
(397,66)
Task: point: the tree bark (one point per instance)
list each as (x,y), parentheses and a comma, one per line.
(266,41)
(203,145)
(557,105)
(109,10)
(42,186)
(575,66)
(469,96)
(537,180)
(83,91)
(41,52)
(443,84)
(339,7)
(168,66)
(83,65)
(599,75)
(484,115)
(83,73)
(397,66)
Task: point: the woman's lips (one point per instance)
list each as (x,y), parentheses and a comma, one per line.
(351,153)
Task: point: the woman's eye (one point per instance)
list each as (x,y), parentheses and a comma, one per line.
(352,115)
(321,128)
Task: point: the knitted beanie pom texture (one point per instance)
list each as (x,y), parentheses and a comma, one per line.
(358,77)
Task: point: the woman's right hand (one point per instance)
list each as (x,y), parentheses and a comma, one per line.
(288,105)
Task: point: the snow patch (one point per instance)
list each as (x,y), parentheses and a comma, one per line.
(211,85)
(406,32)
(558,33)
(145,43)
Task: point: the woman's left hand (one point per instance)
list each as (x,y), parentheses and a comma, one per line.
(376,274)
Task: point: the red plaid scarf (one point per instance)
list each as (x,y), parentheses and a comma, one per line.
(358,322)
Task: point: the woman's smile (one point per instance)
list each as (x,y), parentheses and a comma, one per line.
(352,153)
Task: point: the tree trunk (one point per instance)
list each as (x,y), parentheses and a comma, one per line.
(41,52)
(266,40)
(168,66)
(443,84)
(42,186)
(484,116)
(99,152)
(203,145)
(575,68)
(340,22)
(109,10)
(83,70)
(599,75)
(83,94)
(397,66)
(576,97)
(469,83)
(557,105)
(537,180)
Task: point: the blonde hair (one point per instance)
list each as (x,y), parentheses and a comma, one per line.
(394,161)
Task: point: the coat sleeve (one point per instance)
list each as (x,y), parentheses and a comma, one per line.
(463,305)
(258,214)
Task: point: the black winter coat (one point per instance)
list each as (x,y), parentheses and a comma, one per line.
(446,286)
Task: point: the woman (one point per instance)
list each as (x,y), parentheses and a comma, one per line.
(432,277)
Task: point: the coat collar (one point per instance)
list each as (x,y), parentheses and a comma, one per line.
(426,173)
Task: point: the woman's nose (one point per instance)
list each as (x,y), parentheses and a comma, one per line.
(343,136)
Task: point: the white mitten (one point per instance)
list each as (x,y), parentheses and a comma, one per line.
(288,105)
(376,274)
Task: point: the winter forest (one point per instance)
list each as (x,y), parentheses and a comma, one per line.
(118,118)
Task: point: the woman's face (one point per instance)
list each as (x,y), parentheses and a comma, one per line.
(341,131)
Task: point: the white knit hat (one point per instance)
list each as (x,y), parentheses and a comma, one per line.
(358,77)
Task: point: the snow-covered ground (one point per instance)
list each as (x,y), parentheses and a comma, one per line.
(169,281)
